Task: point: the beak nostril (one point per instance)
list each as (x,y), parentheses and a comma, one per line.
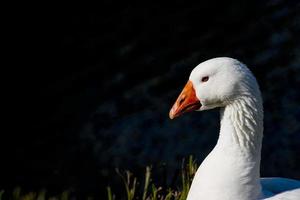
(181,100)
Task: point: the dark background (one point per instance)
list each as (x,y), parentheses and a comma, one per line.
(96,92)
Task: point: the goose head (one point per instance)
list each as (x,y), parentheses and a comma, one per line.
(214,83)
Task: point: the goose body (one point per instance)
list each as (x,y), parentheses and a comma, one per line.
(232,169)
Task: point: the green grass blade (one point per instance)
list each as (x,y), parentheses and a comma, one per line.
(147,181)
(109,193)
(1,194)
(41,195)
(65,195)
(17,193)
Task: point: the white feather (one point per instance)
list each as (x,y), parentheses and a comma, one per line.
(232,170)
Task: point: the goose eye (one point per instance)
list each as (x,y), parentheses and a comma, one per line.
(204,79)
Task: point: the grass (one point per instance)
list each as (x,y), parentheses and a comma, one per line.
(152,192)
(146,191)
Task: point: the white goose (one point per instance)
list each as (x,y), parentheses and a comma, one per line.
(232,169)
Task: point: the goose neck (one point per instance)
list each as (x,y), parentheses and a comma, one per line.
(242,125)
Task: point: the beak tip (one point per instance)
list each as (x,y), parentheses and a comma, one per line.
(171,115)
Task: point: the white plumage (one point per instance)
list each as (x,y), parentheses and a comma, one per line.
(232,170)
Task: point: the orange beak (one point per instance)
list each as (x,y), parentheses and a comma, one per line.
(186,102)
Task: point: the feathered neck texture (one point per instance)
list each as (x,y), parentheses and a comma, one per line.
(232,169)
(242,124)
